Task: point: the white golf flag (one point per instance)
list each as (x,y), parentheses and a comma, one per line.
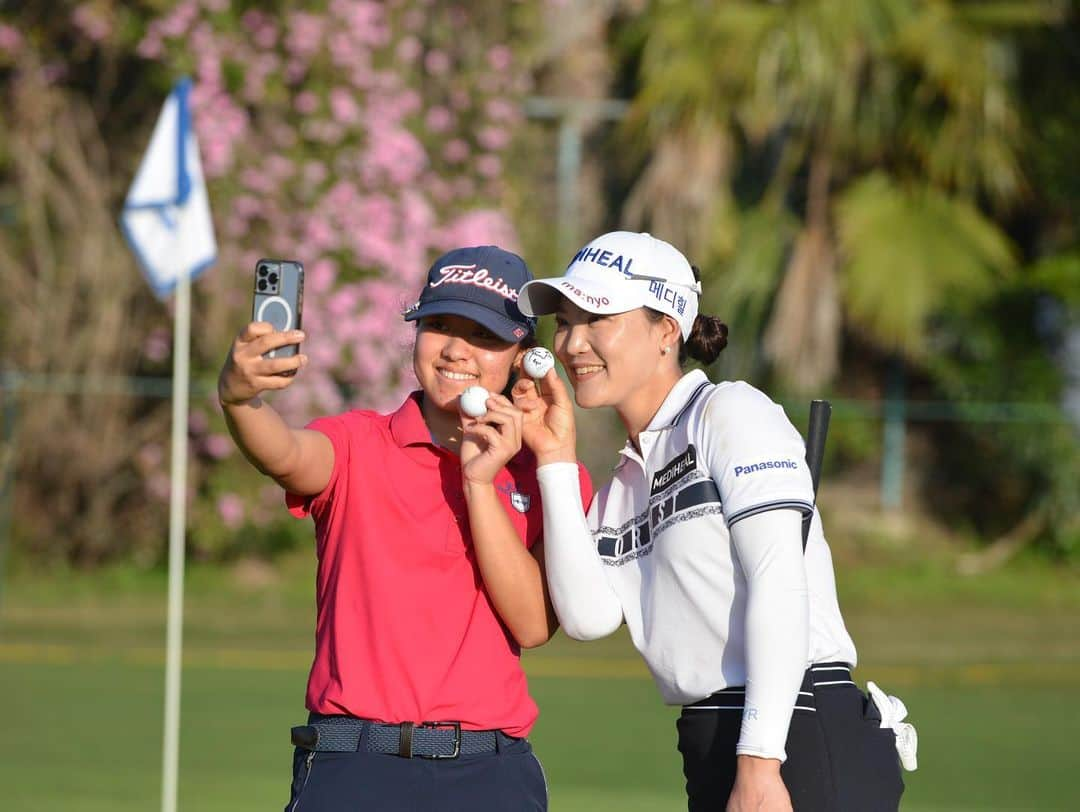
(166,217)
(166,220)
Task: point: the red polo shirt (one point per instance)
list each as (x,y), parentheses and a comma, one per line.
(405,630)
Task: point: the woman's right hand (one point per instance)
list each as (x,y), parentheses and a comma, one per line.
(548,428)
(246,373)
(759,786)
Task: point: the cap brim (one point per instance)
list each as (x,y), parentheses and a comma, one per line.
(504,327)
(542,296)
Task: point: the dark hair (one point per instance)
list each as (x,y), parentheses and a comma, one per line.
(708,335)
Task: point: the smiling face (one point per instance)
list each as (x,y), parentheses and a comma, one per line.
(453,353)
(616,360)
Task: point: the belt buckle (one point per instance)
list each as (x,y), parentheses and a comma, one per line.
(456,727)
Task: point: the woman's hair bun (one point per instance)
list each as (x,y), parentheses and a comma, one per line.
(708,337)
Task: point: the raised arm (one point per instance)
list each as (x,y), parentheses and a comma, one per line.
(586,605)
(300,461)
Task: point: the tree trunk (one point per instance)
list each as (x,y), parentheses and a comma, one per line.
(803,335)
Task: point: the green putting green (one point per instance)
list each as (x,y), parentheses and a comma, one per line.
(84,732)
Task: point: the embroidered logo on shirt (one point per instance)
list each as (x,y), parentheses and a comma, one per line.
(520,501)
(675,470)
(765,466)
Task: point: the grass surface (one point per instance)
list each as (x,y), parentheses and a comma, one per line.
(991,684)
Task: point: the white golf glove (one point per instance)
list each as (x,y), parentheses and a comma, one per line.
(893,713)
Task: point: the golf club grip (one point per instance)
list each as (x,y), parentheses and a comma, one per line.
(817,431)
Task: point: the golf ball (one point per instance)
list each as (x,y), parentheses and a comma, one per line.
(537,362)
(474,401)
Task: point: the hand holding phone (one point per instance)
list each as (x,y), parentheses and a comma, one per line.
(279,299)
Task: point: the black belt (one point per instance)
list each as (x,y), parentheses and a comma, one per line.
(436,740)
(819,675)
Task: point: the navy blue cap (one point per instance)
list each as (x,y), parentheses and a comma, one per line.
(481,283)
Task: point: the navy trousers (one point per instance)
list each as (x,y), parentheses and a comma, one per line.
(508,780)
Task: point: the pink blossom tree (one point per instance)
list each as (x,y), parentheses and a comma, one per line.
(360,137)
(363,138)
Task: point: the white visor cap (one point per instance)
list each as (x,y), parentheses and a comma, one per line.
(617,272)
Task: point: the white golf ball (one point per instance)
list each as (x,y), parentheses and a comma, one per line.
(537,362)
(474,401)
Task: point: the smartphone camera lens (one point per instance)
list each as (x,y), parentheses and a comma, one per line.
(262,284)
(273,278)
(262,270)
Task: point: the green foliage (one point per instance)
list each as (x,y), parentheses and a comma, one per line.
(1008,474)
(850,103)
(910,252)
(896,162)
(1059,276)
(745,286)
(964,125)
(852,443)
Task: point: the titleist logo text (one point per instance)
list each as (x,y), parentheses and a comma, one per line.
(480,278)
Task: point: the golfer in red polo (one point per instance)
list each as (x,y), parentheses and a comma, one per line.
(431,571)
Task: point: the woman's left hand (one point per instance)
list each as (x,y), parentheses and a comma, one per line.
(758,787)
(491,441)
(548,427)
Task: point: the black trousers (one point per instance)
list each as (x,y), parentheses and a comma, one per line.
(839,759)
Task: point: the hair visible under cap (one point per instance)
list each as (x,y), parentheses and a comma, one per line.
(708,335)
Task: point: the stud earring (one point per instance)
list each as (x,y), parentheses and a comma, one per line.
(665,350)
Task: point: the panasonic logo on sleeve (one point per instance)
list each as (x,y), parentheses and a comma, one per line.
(764,466)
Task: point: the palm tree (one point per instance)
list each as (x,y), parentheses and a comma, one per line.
(885,127)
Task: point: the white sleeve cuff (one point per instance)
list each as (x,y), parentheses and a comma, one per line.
(587,606)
